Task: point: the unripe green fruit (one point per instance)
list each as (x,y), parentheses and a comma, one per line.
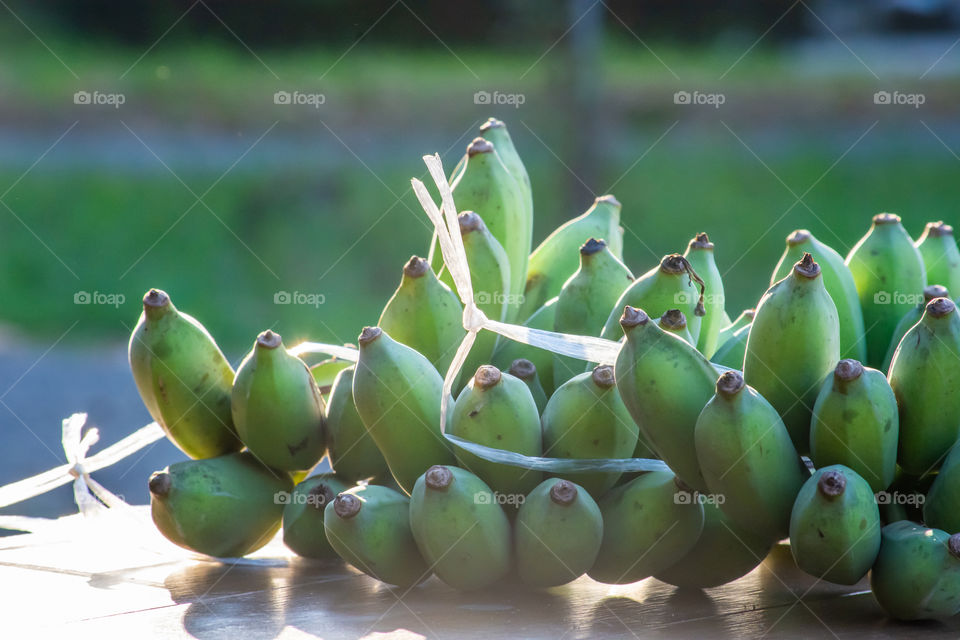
(277,406)
(700,255)
(303,515)
(225,507)
(941,258)
(183,379)
(352,452)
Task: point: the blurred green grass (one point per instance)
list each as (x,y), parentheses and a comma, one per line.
(322,223)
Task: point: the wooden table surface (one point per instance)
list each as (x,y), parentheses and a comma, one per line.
(114,576)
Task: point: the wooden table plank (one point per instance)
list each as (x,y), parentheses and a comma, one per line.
(103,583)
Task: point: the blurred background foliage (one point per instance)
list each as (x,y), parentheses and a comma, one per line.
(200,184)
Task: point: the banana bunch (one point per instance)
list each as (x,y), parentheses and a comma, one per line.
(810,416)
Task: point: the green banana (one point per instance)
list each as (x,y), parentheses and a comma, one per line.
(554,260)
(425,314)
(507,350)
(277,407)
(673,321)
(855,423)
(397,394)
(527,371)
(487,187)
(917,574)
(839,283)
(700,255)
(461,531)
(912,317)
(664,383)
(183,378)
(646,528)
(746,456)
(835,526)
(723,553)
(888,272)
(303,515)
(941,258)
(369,527)
(557,534)
(497,410)
(352,452)
(585,418)
(496,132)
(794,342)
(743,320)
(941,509)
(585,300)
(905,497)
(731,353)
(225,507)
(490,277)
(925,376)
(672,285)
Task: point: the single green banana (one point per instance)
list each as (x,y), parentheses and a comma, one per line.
(554,260)
(497,410)
(303,515)
(352,452)
(794,342)
(839,283)
(461,531)
(397,393)
(888,271)
(664,383)
(369,527)
(912,317)
(746,456)
(183,378)
(425,314)
(225,507)
(855,424)
(917,574)
(487,187)
(700,255)
(496,132)
(925,376)
(646,528)
(507,350)
(941,258)
(835,526)
(585,300)
(490,277)
(277,407)
(731,353)
(743,320)
(904,498)
(673,321)
(672,285)
(527,371)
(723,552)
(585,418)
(941,509)
(557,534)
